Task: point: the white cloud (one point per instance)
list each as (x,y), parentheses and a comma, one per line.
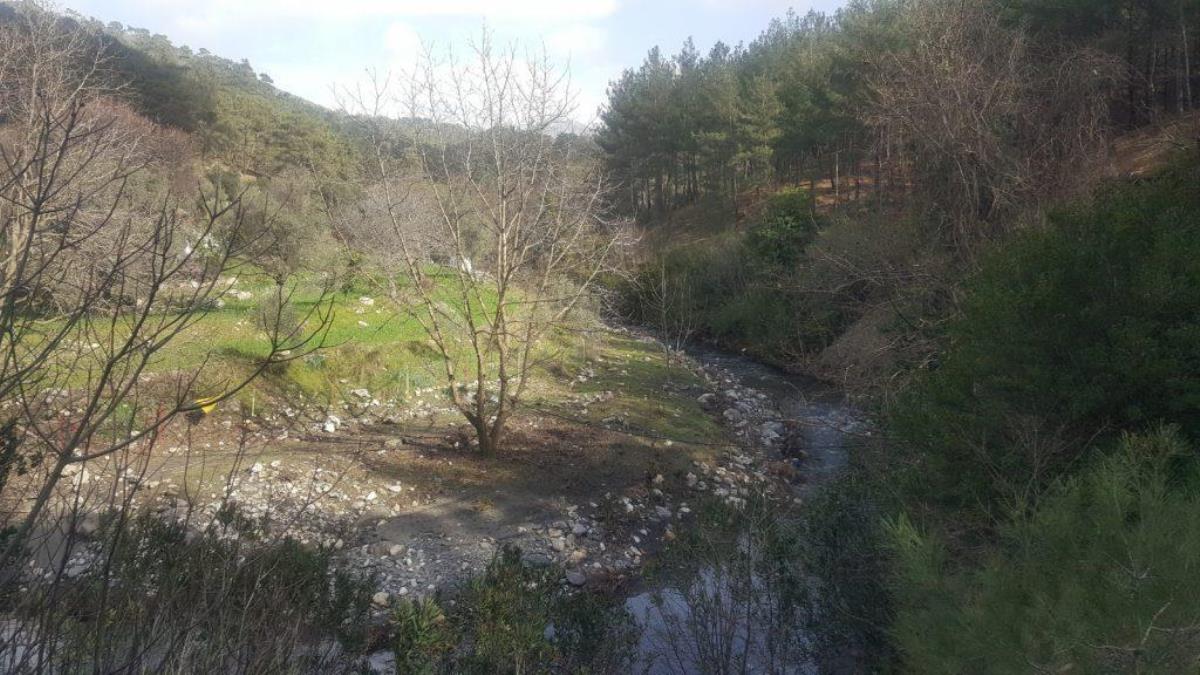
(552,10)
(403,43)
(577,39)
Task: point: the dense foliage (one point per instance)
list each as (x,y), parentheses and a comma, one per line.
(690,127)
(1100,578)
(741,290)
(1069,334)
(792,105)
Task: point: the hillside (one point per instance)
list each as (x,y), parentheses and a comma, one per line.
(238,116)
(870,345)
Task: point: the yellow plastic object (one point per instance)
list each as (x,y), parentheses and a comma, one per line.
(208,405)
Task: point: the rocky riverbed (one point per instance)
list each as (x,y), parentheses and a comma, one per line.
(415,539)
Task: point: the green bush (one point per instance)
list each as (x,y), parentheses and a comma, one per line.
(513,618)
(1100,578)
(787,225)
(422,636)
(1083,328)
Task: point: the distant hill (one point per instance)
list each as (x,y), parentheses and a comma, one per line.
(238,116)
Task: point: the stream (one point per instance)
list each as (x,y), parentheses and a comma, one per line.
(714,625)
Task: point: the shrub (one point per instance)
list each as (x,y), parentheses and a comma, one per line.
(422,636)
(786,227)
(743,290)
(505,613)
(845,553)
(1100,578)
(514,618)
(163,598)
(1084,328)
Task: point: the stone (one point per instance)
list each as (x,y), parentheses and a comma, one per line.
(579,529)
(88,525)
(381,599)
(662,512)
(576,578)
(559,545)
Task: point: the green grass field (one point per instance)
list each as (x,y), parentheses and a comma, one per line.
(371,343)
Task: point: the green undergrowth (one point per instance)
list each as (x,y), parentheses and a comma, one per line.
(778,286)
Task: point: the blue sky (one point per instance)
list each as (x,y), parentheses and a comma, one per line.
(308,45)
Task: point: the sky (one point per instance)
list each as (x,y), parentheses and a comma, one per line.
(309,46)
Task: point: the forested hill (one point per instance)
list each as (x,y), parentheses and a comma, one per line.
(843,173)
(237,116)
(830,96)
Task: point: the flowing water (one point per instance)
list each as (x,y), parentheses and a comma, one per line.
(706,627)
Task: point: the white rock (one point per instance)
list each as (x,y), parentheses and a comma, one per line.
(88,524)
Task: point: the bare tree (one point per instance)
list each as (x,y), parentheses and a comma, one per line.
(92,287)
(669,299)
(517,209)
(989,127)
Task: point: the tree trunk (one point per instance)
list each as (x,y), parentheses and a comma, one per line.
(1186,94)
